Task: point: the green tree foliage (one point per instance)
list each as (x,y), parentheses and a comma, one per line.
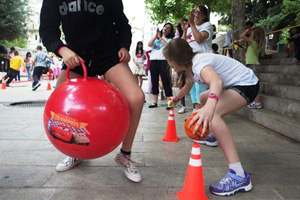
(20,42)
(293,8)
(13,18)
(274,14)
(173,10)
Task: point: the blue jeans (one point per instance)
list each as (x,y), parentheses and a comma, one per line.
(37,73)
(28,73)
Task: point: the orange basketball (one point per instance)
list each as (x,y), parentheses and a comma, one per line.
(189,131)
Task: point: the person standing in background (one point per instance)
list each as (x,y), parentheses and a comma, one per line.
(158,65)
(28,63)
(199,37)
(14,68)
(256,42)
(139,58)
(39,65)
(181,74)
(149,88)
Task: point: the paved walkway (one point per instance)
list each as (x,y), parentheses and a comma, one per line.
(28,159)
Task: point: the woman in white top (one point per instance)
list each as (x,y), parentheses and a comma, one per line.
(198,30)
(198,33)
(139,58)
(231,86)
(158,65)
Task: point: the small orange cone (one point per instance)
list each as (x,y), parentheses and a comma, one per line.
(48,86)
(193,188)
(31,79)
(3,85)
(171,135)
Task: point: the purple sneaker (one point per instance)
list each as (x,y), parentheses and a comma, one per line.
(210,140)
(231,184)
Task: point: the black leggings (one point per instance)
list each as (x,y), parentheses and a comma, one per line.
(11,74)
(160,67)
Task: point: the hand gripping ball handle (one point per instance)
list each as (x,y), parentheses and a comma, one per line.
(84,71)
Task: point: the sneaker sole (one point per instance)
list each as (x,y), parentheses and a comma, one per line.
(36,87)
(215,144)
(125,173)
(66,169)
(246,188)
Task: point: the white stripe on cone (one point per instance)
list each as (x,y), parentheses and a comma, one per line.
(196,151)
(195,162)
(171,118)
(171,112)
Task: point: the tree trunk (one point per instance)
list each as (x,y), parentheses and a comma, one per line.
(238,25)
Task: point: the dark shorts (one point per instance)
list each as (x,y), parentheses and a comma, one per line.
(249,92)
(98,67)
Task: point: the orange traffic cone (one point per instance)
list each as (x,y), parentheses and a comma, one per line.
(193,188)
(31,79)
(48,86)
(171,135)
(3,85)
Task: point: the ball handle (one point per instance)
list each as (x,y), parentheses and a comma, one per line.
(84,71)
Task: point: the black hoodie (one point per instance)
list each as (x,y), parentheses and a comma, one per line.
(93,29)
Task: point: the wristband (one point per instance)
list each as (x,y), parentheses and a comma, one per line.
(175,99)
(213,96)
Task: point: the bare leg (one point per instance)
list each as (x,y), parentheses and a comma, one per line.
(197,106)
(257,99)
(229,102)
(140,77)
(121,76)
(155,98)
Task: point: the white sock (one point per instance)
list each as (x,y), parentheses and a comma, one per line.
(237,167)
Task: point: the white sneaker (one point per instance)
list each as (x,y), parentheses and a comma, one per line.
(129,168)
(181,110)
(254,105)
(67,164)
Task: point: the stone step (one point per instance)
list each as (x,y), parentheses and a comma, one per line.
(283,91)
(282,106)
(276,61)
(280,69)
(284,125)
(280,55)
(284,79)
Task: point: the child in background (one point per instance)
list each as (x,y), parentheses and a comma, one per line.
(28,63)
(231,86)
(14,68)
(215,48)
(290,48)
(178,34)
(256,42)
(139,58)
(295,37)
